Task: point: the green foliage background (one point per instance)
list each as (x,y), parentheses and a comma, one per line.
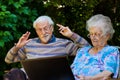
(17,16)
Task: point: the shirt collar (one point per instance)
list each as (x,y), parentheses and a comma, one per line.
(53,39)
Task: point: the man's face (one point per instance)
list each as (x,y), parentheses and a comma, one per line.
(44,31)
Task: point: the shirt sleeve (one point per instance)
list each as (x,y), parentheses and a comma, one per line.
(15,55)
(112,62)
(78,42)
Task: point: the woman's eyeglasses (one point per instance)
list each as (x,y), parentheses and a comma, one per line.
(96,35)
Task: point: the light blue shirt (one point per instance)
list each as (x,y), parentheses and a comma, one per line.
(87,64)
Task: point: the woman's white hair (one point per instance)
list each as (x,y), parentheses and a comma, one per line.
(103,22)
(43,19)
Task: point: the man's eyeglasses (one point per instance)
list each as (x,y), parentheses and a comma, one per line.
(45,29)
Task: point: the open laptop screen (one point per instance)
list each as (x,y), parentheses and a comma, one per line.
(49,68)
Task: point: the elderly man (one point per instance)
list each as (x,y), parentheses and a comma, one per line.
(46,44)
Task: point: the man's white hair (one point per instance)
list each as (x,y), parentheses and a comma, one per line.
(43,19)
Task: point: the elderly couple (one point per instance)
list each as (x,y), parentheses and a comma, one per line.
(98,61)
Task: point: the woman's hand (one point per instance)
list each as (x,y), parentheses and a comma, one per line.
(93,78)
(81,77)
(65,31)
(23,40)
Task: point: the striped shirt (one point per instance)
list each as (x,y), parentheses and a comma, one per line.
(55,47)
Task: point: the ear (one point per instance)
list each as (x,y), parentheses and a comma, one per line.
(52,28)
(108,36)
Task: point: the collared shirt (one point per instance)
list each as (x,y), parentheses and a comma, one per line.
(87,64)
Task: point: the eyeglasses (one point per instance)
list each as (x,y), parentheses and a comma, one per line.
(96,35)
(45,29)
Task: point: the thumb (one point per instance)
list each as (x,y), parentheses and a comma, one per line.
(28,40)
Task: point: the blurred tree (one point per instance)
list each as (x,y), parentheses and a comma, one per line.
(15,19)
(111,8)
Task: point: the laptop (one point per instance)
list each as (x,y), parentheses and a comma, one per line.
(49,68)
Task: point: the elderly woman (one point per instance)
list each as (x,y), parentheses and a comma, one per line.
(99,61)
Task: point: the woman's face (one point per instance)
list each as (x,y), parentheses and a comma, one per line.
(97,37)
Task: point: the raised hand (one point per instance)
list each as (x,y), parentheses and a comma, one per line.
(65,31)
(23,40)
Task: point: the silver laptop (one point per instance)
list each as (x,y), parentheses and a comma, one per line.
(49,68)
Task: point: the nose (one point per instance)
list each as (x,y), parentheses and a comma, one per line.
(43,31)
(93,36)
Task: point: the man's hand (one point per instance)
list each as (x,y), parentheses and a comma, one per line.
(23,40)
(65,31)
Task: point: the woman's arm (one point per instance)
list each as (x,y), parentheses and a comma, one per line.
(105,75)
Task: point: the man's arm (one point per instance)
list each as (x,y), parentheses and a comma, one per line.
(80,41)
(71,48)
(16,53)
(65,31)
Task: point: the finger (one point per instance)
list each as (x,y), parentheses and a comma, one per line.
(26,35)
(106,78)
(61,32)
(60,26)
(28,40)
(77,76)
(81,77)
(62,29)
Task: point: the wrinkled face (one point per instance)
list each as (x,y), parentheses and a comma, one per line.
(97,37)
(44,31)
